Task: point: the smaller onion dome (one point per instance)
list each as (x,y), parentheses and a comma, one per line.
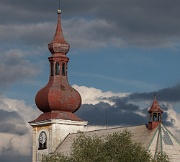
(59,44)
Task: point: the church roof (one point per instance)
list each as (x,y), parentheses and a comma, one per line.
(157,140)
(56,115)
(164,141)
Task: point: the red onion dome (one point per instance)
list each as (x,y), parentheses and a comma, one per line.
(58,95)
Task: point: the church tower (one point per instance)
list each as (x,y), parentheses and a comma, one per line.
(155,115)
(57,100)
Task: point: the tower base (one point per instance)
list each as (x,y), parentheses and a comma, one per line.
(48,135)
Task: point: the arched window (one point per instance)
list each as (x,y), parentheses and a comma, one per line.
(42,141)
(155,117)
(159,116)
(57,68)
(63,69)
(52,68)
(150,118)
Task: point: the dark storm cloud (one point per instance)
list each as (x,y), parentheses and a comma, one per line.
(21,11)
(27,24)
(11,122)
(137,23)
(121,113)
(140,19)
(134,23)
(131,23)
(170,94)
(122,103)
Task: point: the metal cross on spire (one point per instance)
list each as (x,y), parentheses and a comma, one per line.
(59,10)
(154,96)
(59,4)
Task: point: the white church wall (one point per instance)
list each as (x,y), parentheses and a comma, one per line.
(55,132)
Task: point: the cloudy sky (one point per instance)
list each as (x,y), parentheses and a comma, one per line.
(122,52)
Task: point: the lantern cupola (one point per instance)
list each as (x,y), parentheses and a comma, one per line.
(155,115)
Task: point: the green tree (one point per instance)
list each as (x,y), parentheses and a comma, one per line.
(117,147)
(56,158)
(162,157)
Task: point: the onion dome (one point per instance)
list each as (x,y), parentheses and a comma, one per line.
(58,95)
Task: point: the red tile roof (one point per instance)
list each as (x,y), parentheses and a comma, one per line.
(57,115)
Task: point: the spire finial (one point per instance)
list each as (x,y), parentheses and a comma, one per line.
(154,96)
(59,4)
(58,45)
(59,10)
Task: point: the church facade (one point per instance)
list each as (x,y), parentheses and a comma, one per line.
(56,128)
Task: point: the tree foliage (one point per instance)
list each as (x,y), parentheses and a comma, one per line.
(162,157)
(116,147)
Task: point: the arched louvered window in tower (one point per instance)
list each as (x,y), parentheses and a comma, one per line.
(63,69)
(57,68)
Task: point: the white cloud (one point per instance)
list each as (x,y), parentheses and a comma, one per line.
(174,118)
(14,144)
(93,96)
(27,113)
(17,137)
